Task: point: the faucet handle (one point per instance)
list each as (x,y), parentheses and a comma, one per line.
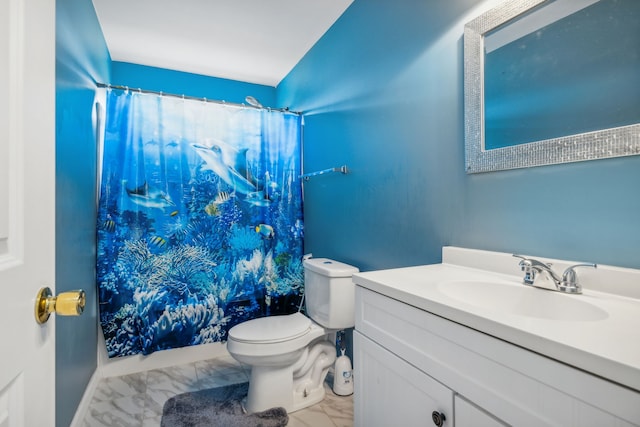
(531,262)
(570,279)
(526,266)
(525,263)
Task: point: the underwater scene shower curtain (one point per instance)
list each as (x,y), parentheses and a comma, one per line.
(199,220)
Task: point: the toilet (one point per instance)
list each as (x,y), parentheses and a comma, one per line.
(290,355)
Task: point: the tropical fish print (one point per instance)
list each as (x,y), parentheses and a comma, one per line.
(157,241)
(203,244)
(109,225)
(212,209)
(223,197)
(265,231)
(150,197)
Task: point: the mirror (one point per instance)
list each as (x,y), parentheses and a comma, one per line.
(552,81)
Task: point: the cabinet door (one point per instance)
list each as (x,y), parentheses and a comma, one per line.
(469,415)
(391,392)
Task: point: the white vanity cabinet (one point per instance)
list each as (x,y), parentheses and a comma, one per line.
(395,393)
(409,363)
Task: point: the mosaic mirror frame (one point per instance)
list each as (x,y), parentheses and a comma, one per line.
(600,144)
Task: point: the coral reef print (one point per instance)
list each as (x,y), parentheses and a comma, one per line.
(199,220)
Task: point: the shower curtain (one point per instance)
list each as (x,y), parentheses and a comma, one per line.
(199,220)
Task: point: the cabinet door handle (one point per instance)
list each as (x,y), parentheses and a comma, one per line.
(438,418)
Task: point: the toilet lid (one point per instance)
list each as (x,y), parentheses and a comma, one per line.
(271,329)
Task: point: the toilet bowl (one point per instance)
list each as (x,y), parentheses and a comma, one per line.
(290,355)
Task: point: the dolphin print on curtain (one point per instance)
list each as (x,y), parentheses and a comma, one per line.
(199,220)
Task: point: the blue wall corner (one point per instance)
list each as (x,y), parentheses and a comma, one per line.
(82,60)
(382,92)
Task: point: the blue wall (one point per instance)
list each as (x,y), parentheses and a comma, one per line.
(81,59)
(382,92)
(179,83)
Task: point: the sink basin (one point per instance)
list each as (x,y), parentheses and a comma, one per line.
(522,300)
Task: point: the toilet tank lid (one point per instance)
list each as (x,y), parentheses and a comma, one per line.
(330,268)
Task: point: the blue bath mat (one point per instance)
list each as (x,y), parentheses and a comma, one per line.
(218,407)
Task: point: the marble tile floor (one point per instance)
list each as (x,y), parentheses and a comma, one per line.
(136,400)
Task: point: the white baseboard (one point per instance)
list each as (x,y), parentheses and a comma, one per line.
(83,407)
(114,367)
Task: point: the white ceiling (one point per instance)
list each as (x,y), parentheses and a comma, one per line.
(256,41)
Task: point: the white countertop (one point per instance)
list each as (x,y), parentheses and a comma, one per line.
(608,346)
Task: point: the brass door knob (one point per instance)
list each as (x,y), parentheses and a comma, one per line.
(65,304)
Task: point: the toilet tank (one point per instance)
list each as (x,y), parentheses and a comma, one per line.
(330,293)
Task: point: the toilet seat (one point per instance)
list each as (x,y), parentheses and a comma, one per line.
(262,338)
(272,329)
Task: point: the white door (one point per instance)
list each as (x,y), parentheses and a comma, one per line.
(27,186)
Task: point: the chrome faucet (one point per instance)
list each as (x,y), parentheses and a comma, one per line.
(568,282)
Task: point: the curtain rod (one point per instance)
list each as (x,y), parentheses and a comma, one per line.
(194,98)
